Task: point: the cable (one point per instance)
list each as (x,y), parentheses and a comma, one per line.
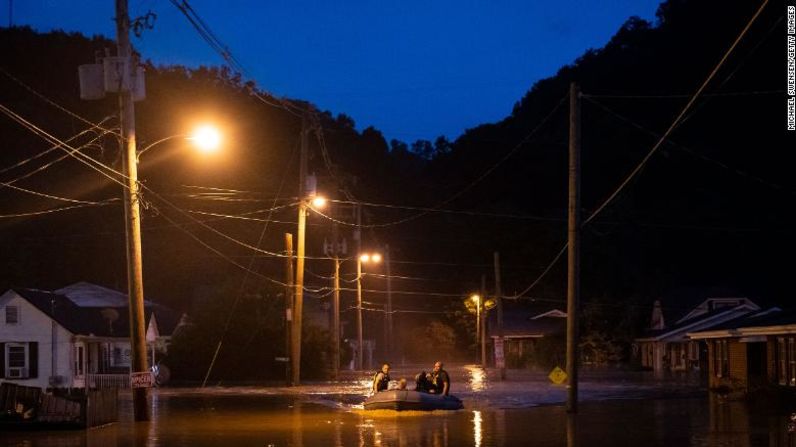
(55,210)
(676,120)
(437,210)
(657,145)
(691,151)
(245,278)
(472,184)
(54,104)
(62,145)
(52,148)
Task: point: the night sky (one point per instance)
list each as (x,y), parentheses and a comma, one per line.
(412,69)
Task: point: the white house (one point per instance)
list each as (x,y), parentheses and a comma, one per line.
(74,337)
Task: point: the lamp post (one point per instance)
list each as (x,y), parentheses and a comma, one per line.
(476,298)
(482,305)
(363,258)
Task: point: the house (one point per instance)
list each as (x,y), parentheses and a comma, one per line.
(74,337)
(753,351)
(665,346)
(524,325)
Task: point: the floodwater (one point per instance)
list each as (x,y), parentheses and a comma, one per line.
(525,410)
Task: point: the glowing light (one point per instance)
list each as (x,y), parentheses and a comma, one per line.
(477,379)
(319,202)
(475,297)
(370,257)
(477,429)
(206,138)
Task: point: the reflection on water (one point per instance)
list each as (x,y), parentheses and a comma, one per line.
(476,378)
(211,419)
(477,428)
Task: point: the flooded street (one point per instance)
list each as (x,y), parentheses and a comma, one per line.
(525,410)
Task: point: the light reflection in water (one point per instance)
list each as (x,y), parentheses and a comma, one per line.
(477,434)
(477,378)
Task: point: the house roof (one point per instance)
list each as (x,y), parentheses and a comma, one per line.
(768,322)
(710,319)
(91,319)
(85,294)
(681,301)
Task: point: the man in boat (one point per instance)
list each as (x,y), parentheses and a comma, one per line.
(440,380)
(381,381)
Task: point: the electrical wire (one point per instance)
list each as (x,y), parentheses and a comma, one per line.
(56,210)
(690,151)
(657,145)
(56,105)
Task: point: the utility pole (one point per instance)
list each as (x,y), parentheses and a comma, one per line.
(360,346)
(336,305)
(388,308)
(288,305)
(573,250)
(500,357)
(359,314)
(482,323)
(298,305)
(132,197)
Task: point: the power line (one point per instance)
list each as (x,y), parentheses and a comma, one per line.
(657,144)
(691,151)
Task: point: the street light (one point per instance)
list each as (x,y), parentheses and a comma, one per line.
(205,138)
(305,204)
(363,258)
(480,305)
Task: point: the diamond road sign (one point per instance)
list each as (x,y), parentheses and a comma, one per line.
(557,376)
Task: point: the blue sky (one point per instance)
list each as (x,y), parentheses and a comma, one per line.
(413,69)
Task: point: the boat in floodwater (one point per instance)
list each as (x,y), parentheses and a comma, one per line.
(411,400)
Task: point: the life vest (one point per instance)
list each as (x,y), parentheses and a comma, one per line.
(384,383)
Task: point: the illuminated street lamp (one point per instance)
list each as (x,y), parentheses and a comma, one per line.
(206,139)
(363,258)
(479,305)
(305,204)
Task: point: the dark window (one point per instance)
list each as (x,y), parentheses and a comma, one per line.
(721,359)
(12,315)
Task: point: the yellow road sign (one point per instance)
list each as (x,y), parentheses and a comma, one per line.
(557,376)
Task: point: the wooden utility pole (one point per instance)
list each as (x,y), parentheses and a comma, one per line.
(298,306)
(336,304)
(360,346)
(482,323)
(288,306)
(132,197)
(500,350)
(573,250)
(388,308)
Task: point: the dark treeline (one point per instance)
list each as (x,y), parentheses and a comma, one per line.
(713,207)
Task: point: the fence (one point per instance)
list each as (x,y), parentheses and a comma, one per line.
(107,381)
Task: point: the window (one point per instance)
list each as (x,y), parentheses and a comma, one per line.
(782,361)
(19,360)
(721,358)
(12,315)
(79,360)
(786,361)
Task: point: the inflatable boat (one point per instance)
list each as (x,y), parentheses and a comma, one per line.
(411,400)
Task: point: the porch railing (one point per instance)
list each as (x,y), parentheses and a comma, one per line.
(107,381)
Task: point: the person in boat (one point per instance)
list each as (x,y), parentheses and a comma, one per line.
(422,382)
(440,380)
(381,381)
